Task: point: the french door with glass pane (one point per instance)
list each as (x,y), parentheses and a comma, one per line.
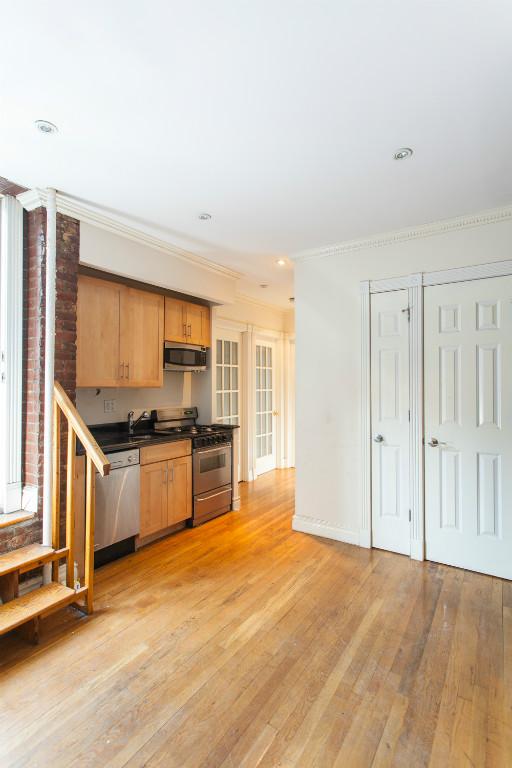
(266,452)
(228,378)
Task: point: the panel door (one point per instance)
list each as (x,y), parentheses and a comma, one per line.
(153,498)
(266,449)
(179,490)
(198,324)
(390,421)
(175,320)
(98,333)
(468,425)
(142,338)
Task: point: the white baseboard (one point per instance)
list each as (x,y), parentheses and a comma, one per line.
(325,529)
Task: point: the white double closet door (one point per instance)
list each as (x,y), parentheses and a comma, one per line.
(468,425)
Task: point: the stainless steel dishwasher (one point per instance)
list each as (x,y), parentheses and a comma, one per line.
(118,500)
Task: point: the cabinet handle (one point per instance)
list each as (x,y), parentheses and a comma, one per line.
(121,374)
(190,330)
(171,479)
(164,472)
(185,330)
(127,370)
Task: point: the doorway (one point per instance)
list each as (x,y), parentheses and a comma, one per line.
(266,413)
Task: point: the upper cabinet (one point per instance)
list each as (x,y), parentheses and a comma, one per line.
(120,333)
(186,322)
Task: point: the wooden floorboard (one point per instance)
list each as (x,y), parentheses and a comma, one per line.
(242,644)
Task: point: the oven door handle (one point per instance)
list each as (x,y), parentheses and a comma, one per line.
(213,450)
(213,495)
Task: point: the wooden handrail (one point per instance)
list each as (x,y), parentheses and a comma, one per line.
(81,430)
(94,458)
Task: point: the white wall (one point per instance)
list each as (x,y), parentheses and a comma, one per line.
(327,309)
(121,256)
(177,390)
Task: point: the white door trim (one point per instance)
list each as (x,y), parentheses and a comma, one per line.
(415,284)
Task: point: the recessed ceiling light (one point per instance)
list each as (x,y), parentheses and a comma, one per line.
(263,285)
(292,299)
(46,127)
(204,216)
(281,262)
(403,153)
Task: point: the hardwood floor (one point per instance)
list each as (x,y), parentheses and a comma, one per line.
(242,644)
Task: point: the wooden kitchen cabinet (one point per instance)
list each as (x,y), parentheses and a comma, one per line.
(120,333)
(98,342)
(142,338)
(179,499)
(186,322)
(165,487)
(153,498)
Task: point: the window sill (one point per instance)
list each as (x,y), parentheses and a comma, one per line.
(15,517)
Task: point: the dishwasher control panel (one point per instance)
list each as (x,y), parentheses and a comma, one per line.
(121,459)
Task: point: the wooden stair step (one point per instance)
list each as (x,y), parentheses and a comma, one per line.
(39,602)
(27,558)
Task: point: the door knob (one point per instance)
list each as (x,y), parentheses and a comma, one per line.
(435,443)
(275,413)
(378,439)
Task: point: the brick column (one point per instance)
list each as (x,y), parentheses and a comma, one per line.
(68,254)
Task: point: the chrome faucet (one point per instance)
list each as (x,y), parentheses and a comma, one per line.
(132,424)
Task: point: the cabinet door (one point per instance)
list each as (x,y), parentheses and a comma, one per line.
(142,338)
(153,498)
(198,324)
(98,333)
(175,320)
(180,490)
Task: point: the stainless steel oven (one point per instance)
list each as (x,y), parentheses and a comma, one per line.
(211,481)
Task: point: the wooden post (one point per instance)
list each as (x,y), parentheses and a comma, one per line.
(56,488)
(89,532)
(70,511)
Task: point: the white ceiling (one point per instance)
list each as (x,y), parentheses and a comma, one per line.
(278,117)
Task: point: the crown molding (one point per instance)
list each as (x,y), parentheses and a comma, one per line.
(492,216)
(242,298)
(35,198)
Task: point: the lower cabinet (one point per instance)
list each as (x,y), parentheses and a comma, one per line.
(166,492)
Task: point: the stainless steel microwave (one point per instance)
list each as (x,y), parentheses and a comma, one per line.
(184,357)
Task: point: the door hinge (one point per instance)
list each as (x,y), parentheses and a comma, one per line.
(408,310)
(410,515)
(409,412)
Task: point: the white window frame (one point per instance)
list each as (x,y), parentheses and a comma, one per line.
(11,352)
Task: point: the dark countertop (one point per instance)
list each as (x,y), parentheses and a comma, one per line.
(115,437)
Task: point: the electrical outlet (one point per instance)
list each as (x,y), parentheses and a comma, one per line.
(109,406)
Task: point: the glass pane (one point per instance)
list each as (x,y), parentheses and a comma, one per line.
(258,425)
(234,403)
(269,444)
(258,378)
(258,355)
(269,423)
(219,351)
(234,352)
(258,402)
(269,378)
(219,378)
(269,356)
(219,405)
(269,401)
(227,353)
(227,410)
(227,378)
(234,378)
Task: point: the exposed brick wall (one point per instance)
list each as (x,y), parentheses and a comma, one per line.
(68,248)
